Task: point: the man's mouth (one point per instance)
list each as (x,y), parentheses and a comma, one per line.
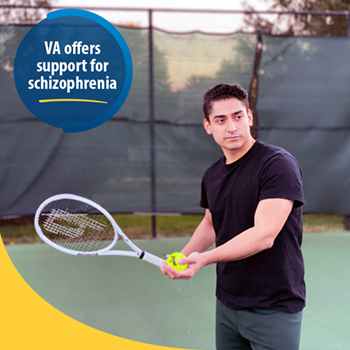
(232,137)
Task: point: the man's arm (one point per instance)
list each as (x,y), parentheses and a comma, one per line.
(270,217)
(202,238)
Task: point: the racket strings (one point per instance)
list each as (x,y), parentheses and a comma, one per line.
(76,225)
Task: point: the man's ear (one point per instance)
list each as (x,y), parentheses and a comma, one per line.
(207,126)
(250,117)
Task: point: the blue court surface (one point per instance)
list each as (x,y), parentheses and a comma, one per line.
(132,299)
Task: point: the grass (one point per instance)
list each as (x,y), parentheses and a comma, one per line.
(323,223)
(140,226)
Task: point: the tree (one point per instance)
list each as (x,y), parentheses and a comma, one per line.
(26,13)
(300,24)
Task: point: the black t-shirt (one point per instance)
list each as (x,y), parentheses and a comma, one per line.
(273,278)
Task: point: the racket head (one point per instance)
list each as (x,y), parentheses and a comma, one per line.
(75,225)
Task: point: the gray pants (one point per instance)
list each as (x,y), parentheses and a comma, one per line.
(256,329)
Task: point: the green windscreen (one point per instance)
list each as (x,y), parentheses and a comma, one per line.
(113,163)
(151,155)
(304,107)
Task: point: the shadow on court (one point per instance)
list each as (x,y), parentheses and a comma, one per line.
(132,299)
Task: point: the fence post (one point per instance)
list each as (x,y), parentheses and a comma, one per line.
(348,23)
(151,125)
(347,222)
(347,217)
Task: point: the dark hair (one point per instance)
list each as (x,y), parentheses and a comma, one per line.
(223,92)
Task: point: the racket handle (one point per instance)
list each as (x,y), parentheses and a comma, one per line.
(152,259)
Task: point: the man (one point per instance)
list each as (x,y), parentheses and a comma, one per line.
(253,197)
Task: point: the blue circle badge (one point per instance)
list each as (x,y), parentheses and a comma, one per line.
(73,70)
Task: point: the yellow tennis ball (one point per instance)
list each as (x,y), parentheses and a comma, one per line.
(172,261)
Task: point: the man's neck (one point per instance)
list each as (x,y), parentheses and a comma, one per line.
(233,155)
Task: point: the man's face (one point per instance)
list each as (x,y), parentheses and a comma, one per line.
(230,125)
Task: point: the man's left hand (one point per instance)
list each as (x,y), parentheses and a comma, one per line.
(195,262)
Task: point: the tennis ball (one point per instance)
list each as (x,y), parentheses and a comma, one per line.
(172,261)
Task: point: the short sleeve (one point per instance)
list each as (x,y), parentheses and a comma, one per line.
(281,177)
(204,199)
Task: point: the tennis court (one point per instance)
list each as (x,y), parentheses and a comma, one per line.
(132,299)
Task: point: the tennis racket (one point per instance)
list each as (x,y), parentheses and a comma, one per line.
(79,226)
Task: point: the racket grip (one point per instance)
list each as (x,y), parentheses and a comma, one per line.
(152,259)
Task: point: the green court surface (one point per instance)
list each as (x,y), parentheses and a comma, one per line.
(132,299)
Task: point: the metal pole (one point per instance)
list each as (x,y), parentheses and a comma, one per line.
(151,125)
(348,25)
(136,9)
(347,217)
(347,222)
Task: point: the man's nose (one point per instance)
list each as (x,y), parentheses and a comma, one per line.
(231,126)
